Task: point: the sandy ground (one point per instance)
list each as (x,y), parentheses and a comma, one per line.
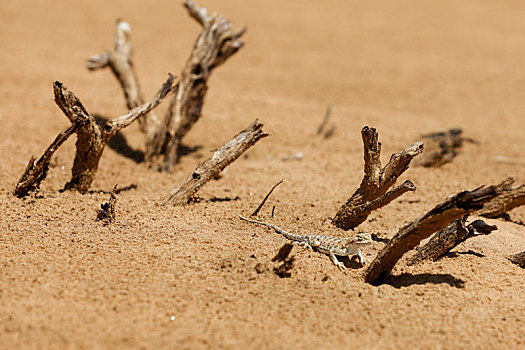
(164,277)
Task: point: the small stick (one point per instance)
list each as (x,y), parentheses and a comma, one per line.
(35,173)
(408,237)
(518,259)
(106,213)
(264,200)
(273,210)
(509,160)
(325,120)
(221,158)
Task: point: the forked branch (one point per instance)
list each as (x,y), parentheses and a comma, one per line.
(372,193)
(92,138)
(210,168)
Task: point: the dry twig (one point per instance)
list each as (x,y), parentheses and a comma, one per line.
(120,63)
(216,43)
(512,197)
(106,213)
(372,193)
(265,199)
(35,173)
(518,259)
(438,218)
(448,238)
(323,124)
(440,148)
(92,137)
(221,158)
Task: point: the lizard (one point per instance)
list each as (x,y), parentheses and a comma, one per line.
(328,245)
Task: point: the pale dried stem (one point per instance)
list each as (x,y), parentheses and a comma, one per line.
(122,67)
(210,168)
(438,218)
(372,193)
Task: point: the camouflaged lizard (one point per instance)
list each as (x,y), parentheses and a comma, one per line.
(328,245)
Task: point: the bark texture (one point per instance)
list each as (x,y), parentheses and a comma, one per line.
(448,238)
(372,193)
(35,173)
(513,197)
(121,64)
(408,237)
(210,168)
(216,43)
(518,259)
(92,138)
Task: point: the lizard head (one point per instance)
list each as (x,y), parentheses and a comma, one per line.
(362,238)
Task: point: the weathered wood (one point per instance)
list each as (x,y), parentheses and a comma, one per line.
(512,197)
(448,238)
(92,137)
(438,218)
(106,213)
(35,173)
(220,159)
(518,259)
(440,148)
(216,43)
(120,63)
(372,193)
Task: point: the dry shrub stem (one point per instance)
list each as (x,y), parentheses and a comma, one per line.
(216,43)
(408,237)
(35,173)
(211,167)
(512,197)
(518,259)
(120,63)
(440,148)
(448,238)
(372,193)
(92,138)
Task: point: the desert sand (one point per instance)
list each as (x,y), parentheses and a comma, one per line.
(191,277)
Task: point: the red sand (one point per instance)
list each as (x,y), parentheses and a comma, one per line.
(164,277)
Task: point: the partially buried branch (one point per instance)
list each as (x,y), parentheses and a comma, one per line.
(372,193)
(106,213)
(408,237)
(440,147)
(448,238)
(518,259)
(216,43)
(513,197)
(210,168)
(120,63)
(35,173)
(92,137)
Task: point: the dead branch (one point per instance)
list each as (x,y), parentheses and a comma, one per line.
(216,43)
(518,259)
(440,148)
(372,193)
(221,158)
(106,213)
(327,115)
(92,137)
(120,63)
(35,173)
(438,218)
(512,197)
(450,237)
(265,199)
